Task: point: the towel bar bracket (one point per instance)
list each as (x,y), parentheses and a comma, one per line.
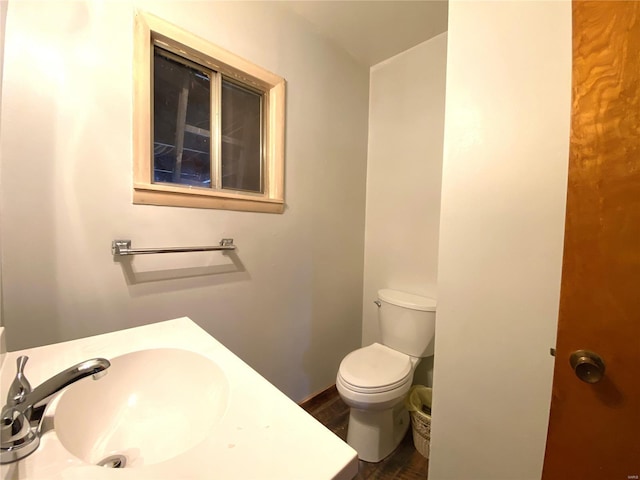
(119,247)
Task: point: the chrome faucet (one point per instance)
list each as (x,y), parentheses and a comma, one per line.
(22,415)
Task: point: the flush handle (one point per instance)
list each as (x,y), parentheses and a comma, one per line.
(589,366)
(377,302)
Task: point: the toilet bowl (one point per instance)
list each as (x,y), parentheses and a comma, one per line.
(374,380)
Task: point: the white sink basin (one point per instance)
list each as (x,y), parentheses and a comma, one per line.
(180,406)
(150,407)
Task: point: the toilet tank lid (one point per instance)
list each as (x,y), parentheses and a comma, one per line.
(407,300)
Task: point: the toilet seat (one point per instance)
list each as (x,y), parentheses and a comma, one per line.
(375,369)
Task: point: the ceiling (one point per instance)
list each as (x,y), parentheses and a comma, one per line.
(372,31)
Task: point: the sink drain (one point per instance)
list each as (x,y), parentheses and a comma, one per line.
(113,461)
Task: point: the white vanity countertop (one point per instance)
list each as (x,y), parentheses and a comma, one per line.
(262,434)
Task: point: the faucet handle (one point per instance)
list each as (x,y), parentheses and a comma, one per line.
(20,387)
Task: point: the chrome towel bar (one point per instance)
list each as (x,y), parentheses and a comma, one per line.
(123,247)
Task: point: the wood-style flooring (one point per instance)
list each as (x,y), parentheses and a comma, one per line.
(405,463)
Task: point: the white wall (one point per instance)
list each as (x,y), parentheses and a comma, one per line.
(3,21)
(291,306)
(501,237)
(406,124)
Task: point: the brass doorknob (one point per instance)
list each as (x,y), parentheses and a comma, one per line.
(589,367)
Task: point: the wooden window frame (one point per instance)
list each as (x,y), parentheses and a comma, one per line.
(152,31)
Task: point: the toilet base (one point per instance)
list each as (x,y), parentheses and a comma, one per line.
(375,434)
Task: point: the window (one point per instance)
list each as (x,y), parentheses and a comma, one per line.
(208,125)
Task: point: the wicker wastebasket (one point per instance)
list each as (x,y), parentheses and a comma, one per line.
(418,403)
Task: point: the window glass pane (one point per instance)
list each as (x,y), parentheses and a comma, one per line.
(241,138)
(181,123)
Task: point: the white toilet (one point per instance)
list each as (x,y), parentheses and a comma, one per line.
(374,380)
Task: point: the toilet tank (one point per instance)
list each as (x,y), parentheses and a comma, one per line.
(407,322)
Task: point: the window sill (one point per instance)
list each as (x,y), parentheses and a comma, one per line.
(193,198)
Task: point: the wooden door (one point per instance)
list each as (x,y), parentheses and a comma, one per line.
(594,429)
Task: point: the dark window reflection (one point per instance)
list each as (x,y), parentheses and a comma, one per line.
(181,128)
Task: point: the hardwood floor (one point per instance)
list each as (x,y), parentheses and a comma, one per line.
(403,464)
